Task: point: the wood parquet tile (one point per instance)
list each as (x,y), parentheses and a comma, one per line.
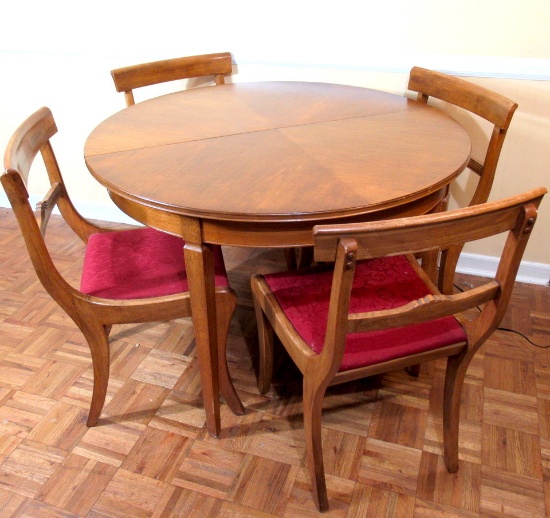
(151,456)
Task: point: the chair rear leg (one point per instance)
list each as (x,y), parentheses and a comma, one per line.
(97,337)
(290,258)
(313,408)
(414,370)
(305,257)
(447,269)
(265,346)
(298,257)
(226,304)
(431,258)
(265,340)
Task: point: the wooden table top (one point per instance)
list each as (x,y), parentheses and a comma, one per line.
(276,151)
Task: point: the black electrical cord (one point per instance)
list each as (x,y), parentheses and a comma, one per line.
(508,330)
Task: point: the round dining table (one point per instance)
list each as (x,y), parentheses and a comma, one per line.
(259,164)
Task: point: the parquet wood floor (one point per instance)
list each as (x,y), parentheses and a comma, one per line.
(151,456)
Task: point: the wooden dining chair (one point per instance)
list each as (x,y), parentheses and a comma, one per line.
(374,309)
(481,102)
(131,275)
(127,79)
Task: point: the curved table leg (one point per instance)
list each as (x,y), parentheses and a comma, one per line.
(199,261)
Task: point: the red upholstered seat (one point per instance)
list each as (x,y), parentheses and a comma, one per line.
(138,263)
(382,283)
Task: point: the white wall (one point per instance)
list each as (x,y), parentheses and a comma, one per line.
(59,54)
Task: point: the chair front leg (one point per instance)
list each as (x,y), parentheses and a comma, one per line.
(454,379)
(313,407)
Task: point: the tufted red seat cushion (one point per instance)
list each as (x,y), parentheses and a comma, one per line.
(378,284)
(138,263)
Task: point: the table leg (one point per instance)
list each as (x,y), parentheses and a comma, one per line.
(199,261)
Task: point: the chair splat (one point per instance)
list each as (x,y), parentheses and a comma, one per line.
(45,207)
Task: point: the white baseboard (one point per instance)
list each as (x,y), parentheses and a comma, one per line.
(474,264)
(486,266)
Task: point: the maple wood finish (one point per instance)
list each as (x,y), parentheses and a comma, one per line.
(347,244)
(93,315)
(259,164)
(146,74)
(491,106)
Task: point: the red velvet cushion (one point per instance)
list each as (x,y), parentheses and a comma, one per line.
(378,284)
(138,263)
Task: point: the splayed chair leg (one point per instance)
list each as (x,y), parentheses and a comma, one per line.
(313,408)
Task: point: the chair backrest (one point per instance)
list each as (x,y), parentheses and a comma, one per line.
(345,244)
(33,136)
(126,79)
(484,103)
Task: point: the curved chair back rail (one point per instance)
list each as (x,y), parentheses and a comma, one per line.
(127,79)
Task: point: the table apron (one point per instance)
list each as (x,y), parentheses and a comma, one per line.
(259,233)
